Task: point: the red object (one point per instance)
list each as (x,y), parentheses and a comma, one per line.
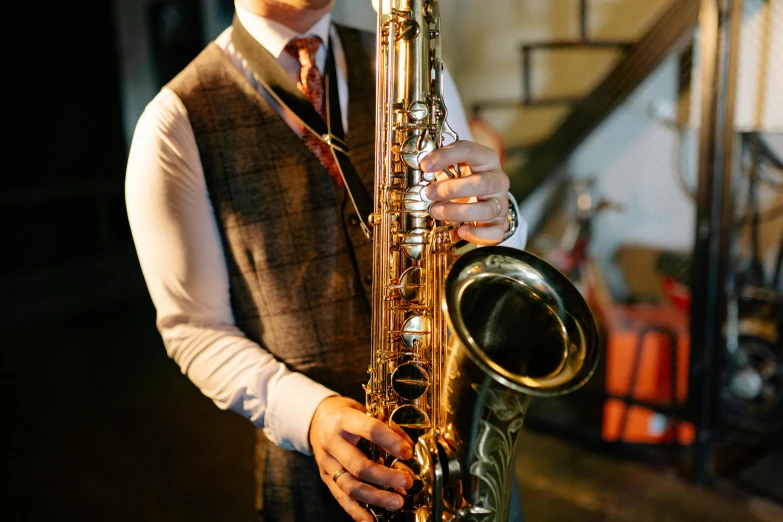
(678,293)
(653,334)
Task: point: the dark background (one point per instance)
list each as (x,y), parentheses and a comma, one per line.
(102,424)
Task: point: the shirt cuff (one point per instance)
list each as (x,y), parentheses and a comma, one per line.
(291,408)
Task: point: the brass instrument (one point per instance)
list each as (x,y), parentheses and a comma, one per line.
(458,347)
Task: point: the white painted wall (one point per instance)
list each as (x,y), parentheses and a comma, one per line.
(635,158)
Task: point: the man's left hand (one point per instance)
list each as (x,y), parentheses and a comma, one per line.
(478,199)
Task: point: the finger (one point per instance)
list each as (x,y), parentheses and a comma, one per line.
(378,432)
(363,492)
(493,183)
(351,506)
(482,211)
(365,469)
(393,425)
(401,466)
(356,489)
(479,157)
(398,464)
(491,235)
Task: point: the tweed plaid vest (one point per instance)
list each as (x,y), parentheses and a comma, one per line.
(298,262)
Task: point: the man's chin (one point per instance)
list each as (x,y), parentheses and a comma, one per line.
(322,4)
(310,4)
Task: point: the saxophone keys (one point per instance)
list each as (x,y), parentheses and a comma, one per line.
(413,468)
(418,111)
(413,242)
(414,203)
(411,284)
(409,30)
(412,419)
(410,380)
(416,332)
(414,149)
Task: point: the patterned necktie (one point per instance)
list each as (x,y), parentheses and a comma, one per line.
(311,83)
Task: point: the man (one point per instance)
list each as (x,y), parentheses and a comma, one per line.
(253,257)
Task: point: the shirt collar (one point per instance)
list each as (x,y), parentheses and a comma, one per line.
(274,36)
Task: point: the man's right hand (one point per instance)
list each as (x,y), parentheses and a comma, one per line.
(337,425)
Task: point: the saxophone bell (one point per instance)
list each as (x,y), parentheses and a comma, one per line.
(519,328)
(521,321)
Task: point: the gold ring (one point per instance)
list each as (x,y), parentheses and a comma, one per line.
(338,473)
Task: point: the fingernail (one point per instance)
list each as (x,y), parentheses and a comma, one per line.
(425,163)
(436,212)
(396,503)
(424,195)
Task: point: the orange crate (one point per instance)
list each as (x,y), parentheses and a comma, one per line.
(646,332)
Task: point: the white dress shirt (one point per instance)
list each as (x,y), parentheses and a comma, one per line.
(181,255)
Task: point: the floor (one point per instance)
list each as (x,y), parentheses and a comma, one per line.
(562,482)
(104,427)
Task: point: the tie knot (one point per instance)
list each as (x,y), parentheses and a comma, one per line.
(304,49)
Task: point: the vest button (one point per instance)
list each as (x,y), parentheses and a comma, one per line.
(353,220)
(368,279)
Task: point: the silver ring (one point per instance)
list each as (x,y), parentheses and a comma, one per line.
(500,208)
(338,473)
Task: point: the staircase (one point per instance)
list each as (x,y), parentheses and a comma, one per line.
(568,85)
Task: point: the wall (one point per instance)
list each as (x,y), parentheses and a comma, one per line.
(637,161)
(138,85)
(136,54)
(356,13)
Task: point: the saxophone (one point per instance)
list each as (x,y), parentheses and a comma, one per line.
(460,343)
